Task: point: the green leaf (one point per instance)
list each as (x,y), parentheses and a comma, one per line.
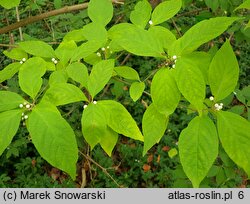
(164,37)
(234,133)
(165,11)
(65,51)
(223,72)
(140,16)
(9,100)
(9,4)
(9,71)
(191,83)
(109,140)
(63,93)
(75,35)
(127,72)
(120,120)
(30,74)
(95,32)
(245,4)
(213,4)
(94,124)
(16,54)
(201,33)
(9,124)
(85,50)
(198,148)
(78,72)
(53,138)
(38,48)
(154,125)
(100,11)
(135,40)
(99,76)
(58,76)
(164,91)
(136,90)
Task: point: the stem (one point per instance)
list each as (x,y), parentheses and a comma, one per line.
(18,20)
(42,16)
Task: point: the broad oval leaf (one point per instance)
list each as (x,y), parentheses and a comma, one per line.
(198,148)
(99,76)
(135,40)
(78,72)
(154,125)
(165,11)
(223,72)
(65,51)
(75,35)
(53,138)
(140,16)
(234,134)
(120,120)
(127,72)
(100,11)
(16,53)
(199,34)
(63,93)
(164,91)
(191,83)
(94,124)
(9,124)
(136,90)
(30,74)
(95,32)
(37,48)
(9,71)
(9,100)
(58,76)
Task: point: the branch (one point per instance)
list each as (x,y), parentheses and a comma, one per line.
(32,19)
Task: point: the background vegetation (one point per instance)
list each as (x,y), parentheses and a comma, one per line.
(21,165)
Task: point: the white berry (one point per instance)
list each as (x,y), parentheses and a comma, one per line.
(103,49)
(27,106)
(24,59)
(53,59)
(22,114)
(211,98)
(94,102)
(174,57)
(98,54)
(21,62)
(24,123)
(85,106)
(26,117)
(221,104)
(107,47)
(150,22)
(20,105)
(173,66)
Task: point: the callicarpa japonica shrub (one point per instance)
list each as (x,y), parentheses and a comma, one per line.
(84,63)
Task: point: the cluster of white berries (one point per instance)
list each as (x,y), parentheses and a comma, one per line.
(25,105)
(23,60)
(85,106)
(103,49)
(175,59)
(54,60)
(150,22)
(218,106)
(24,117)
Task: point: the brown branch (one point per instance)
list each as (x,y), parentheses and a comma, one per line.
(32,19)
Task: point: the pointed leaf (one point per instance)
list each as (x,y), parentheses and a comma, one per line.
(99,76)
(234,133)
(63,93)
(165,11)
(9,100)
(30,74)
(95,32)
(65,51)
(201,33)
(94,124)
(191,83)
(16,53)
(140,16)
(154,125)
(245,4)
(120,120)
(78,72)
(53,138)
(127,72)
(9,71)
(164,91)
(198,148)
(136,90)
(38,48)
(9,124)
(109,140)
(100,11)
(223,72)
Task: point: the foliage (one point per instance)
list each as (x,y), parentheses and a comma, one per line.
(80,69)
